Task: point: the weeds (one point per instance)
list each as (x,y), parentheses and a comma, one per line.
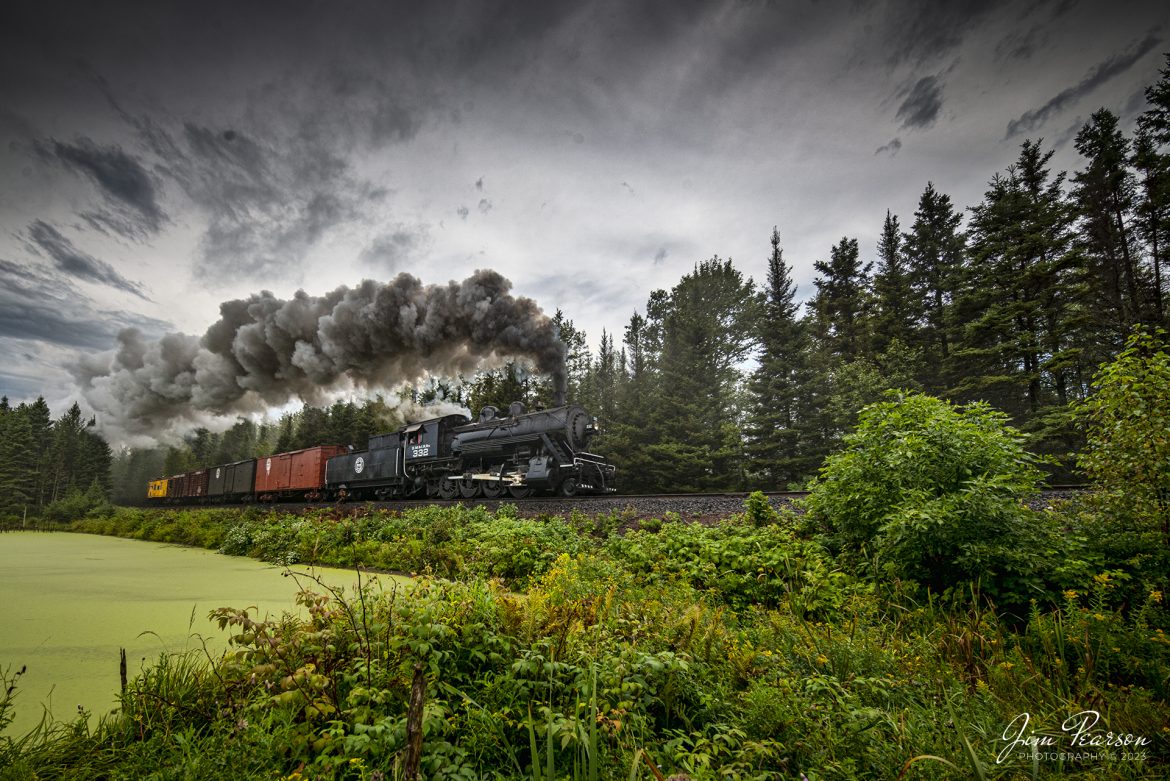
(552,648)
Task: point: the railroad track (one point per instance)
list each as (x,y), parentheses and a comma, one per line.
(688,505)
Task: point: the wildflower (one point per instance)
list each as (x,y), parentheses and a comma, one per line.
(1070,594)
(1156,597)
(822,659)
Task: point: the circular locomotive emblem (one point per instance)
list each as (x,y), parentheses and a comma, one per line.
(359,464)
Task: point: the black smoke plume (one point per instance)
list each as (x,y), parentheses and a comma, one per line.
(264,351)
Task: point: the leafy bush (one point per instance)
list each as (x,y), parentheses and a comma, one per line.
(737,563)
(1127,421)
(935,493)
(1127,456)
(731,651)
(77,504)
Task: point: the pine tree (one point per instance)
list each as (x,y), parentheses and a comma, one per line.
(1152,213)
(1021,346)
(66,453)
(773,439)
(578,359)
(500,387)
(706,335)
(895,312)
(841,303)
(1155,120)
(1104,194)
(17,475)
(935,255)
(634,430)
(40,445)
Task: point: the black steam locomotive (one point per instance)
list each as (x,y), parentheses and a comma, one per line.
(511,454)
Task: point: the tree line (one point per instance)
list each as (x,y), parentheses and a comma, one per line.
(1017,305)
(46,464)
(723,383)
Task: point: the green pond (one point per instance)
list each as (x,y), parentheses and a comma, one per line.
(71,601)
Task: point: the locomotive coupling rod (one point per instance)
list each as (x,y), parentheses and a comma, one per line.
(512,478)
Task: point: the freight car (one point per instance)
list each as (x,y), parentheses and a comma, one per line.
(442,458)
(232,482)
(299,474)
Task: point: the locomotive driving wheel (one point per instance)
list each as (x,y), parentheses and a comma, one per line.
(520,491)
(469,489)
(448,489)
(493,489)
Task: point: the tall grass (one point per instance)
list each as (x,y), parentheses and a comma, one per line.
(738,652)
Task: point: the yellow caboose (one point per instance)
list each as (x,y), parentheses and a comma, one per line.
(157,489)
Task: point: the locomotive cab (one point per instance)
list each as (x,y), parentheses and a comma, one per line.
(430,440)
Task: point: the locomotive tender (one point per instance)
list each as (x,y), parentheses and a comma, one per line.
(443,458)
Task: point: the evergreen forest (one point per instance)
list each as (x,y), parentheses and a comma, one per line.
(725,383)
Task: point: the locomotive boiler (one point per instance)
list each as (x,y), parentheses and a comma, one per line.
(525,451)
(515,454)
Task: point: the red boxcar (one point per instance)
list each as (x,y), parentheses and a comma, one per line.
(299,473)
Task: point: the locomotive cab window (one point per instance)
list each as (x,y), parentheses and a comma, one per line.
(414,434)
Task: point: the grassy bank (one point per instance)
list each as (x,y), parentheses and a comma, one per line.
(553,648)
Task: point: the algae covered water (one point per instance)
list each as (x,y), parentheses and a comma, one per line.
(71,601)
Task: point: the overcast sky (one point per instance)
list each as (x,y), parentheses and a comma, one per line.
(160,158)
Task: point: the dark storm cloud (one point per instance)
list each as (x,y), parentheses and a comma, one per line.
(266,205)
(16,127)
(43,307)
(892,148)
(1021,45)
(391,251)
(76,263)
(1099,74)
(122,180)
(920,108)
(266,351)
(919,33)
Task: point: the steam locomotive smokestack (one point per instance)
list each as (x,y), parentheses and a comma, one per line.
(264,351)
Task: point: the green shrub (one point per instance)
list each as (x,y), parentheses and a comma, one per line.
(935,493)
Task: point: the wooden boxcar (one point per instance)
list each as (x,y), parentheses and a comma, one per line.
(195,486)
(299,473)
(189,487)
